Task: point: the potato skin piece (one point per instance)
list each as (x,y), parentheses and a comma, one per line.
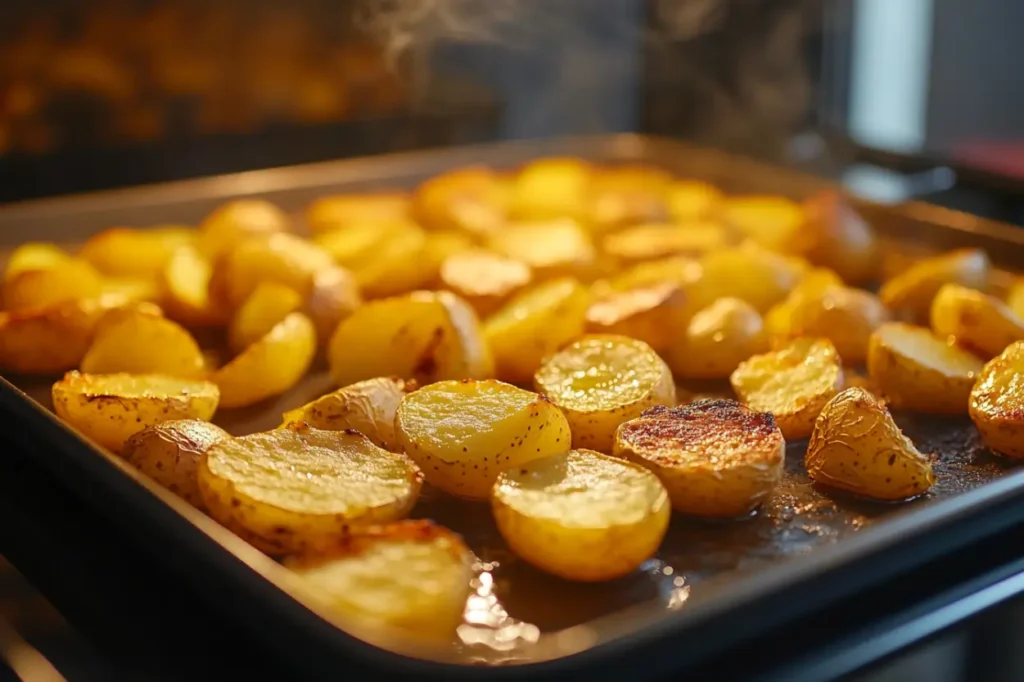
(976,320)
(717,339)
(997,402)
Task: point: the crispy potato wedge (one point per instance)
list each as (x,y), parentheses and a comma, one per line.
(472,200)
(845,316)
(557,248)
(339,211)
(774,222)
(333,296)
(283,258)
(139,341)
(140,254)
(581,515)
(484,279)
(427,336)
(236,221)
(268,304)
(619,196)
(976,320)
(601,381)
(367,406)
(34,256)
(913,369)
(547,189)
(634,245)
(856,446)
(750,273)
(653,314)
(170,452)
(187,282)
(690,200)
(356,577)
(679,269)
(997,402)
(715,457)
(534,324)
(74,279)
(717,340)
(793,383)
(843,240)
(302,488)
(271,365)
(110,408)
(462,433)
(913,289)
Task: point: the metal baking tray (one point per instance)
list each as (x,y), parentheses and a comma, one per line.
(713,586)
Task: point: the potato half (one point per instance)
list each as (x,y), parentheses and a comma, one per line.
(187,292)
(473,200)
(236,221)
(715,457)
(912,290)
(856,446)
(72,280)
(689,200)
(483,279)
(283,258)
(551,188)
(268,304)
(601,381)
(343,210)
(976,320)
(126,252)
(556,248)
(793,383)
(843,240)
(651,242)
(997,402)
(717,340)
(34,256)
(398,264)
(653,314)
(302,488)
(138,341)
(845,316)
(915,370)
(581,515)
(756,275)
(462,433)
(170,452)
(110,408)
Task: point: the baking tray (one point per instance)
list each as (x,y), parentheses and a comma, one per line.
(713,585)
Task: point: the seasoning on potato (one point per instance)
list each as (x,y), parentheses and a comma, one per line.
(301,488)
(976,320)
(581,515)
(913,289)
(716,458)
(463,433)
(997,402)
(654,314)
(483,279)
(717,340)
(135,340)
(856,446)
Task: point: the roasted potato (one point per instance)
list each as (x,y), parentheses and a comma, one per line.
(282,258)
(715,457)
(552,188)
(654,314)
(581,515)
(717,340)
(601,381)
(357,244)
(793,383)
(132,288)
(110,408)
(423,600)
(234,222)
(912,290)
(473,200)
(690,200)
(344,210)
(997,402)
(32,289)
(624,195)
(170,452)
(367,406)
(856,446)
(399,264)
(268,304)
(188,294)
(976,320)
(750,273)
(774,222)
(558,248)
(301,488)
(1014,298)
(462,433)
(651,242)
(842,239)
(34,256)
(483,279)
(915,370)
(679,269)
(533,325)
(843,315)
(135,340)
(142,254)
(333,296)
(442,245)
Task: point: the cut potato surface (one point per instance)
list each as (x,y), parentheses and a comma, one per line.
(845,316)
(601,381)
(34,256)
(997,402)
(557,248)
(344,210)
(581,515)
(170,452)
(913,289)
(463,433)
(915,370)
(72,280)
(125,252)
(110,408)
(842,239)
(750,273)
(716,458)
(976,320)
(856,446)
(717,340)
(283,258)
(236,221)
(483,279)
(654,314)
(186,282)
(137,341)
(649,242)
(793,383)
(302,488)
(551,188)
(268,304)
(411,576)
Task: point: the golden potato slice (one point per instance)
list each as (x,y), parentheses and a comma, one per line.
(715,457)
(367,406)
(556,248)
(283,258)
(423,600)
(915,370)
(774,222)
(462,433)
(72,280)
(483,279)
(624,195)
(912,290)
(302,488)
(856,446)
(551,188)
(653,314)
(473,200)
(270,366)
(581,515)
(601,381)
(268,304)
(333,296)
(236,221)
(843,241)
(142,254)
(690,200)
(976,320)
(845,316)
(679,269)
(110,408)
(424,335)
(793,383)
(137,341)
(997,402)
(753,274)
(344,210)
(650,242)
(34,256)
(188,293)
(533,325)
(717,340)
(170,452)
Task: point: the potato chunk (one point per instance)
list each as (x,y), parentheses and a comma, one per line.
(650,242)
(556,248)
(997,402)
(462,433)
(369,407)
(187,281)
(34,256)
(750,273)
(912,290)
(483,279)
(679,269)
(268,304)
(143,254)
(170,452)
(301,488)
(715,457)
(339,211)
(546,189)
(845,316)
(427,336)
(843,240)
(774,222)
(793,383)
(624,195)
(690,200)
(976,320)
(139,341)
(473,200)
(1015,296)
(334,295)
(717,340)
(411,578)
(283,258)
(601,381)
(398,265)
(29,289)
(915,370)
(236,221)
(856,446)
(110,408)
(581,515)
(653,314)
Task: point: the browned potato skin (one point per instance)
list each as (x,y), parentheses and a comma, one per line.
(483,279)
(333,296)
(654,314)
(843,240)
(997,403)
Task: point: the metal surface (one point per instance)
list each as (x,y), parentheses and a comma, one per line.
(802,552)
